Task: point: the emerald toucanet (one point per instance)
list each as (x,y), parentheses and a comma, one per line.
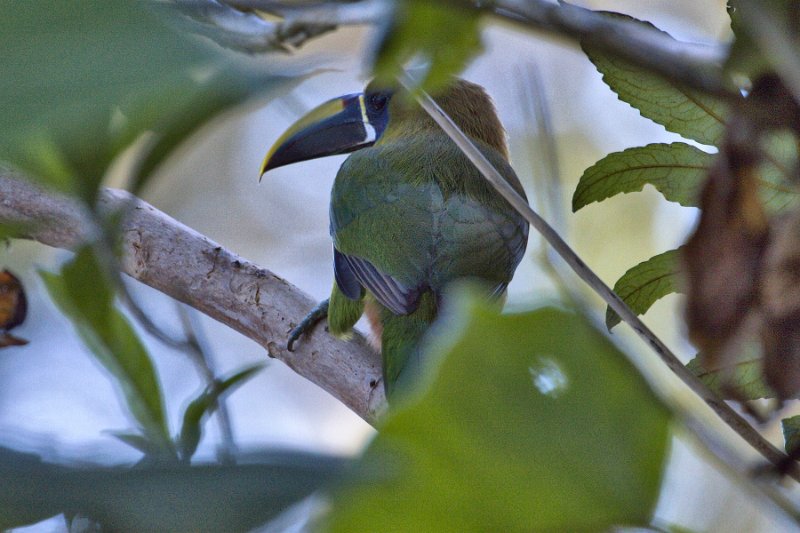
(409,212)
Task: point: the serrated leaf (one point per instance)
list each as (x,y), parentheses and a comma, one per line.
(177,498)
(204,405)
(445,34)
(741,381)
(778,187)
(791,434)
(688,113)
(85,296)
(527,421)
(643,285)
(676,170)
(84,80)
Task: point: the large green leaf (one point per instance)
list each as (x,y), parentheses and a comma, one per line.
(197,498)
(676,170)
(531,422)
(741,380)
(643,285)
(82,80)
(446,34)
(688,113)
(84,294)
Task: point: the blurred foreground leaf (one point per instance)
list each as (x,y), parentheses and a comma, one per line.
(445,34)
(85,79)
(84,294)
(532,422)
(688,113)
(179,498)
(203,405)
(643,285)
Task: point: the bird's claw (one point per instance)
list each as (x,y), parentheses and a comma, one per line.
(307,324)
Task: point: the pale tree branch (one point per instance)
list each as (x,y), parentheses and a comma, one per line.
(176,260)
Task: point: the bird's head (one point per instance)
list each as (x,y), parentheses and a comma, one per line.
(380,114)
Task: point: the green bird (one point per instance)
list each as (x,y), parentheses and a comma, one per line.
(409,212)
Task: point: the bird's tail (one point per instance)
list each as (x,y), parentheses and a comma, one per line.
(400,344)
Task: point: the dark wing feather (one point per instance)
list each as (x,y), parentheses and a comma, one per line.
(353,272)
(346,279)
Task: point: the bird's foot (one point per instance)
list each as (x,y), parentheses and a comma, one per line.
(307,324)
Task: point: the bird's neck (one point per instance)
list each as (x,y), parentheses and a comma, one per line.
(426,127)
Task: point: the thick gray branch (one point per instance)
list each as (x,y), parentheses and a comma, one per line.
(694,65)
(178,261)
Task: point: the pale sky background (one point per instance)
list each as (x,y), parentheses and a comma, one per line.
(55,400)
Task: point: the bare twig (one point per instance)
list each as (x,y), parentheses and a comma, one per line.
(202,358)
(172,258)
(229,27)
(723,410)
(338,13)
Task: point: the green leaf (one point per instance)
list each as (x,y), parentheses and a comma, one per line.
(100,74)
(643,285)
(778,183)
(791,434)
(85,296)
(743,377)
(167,498)
(446,34)
(204,404)
(688,113)
(531,422)
(676,170)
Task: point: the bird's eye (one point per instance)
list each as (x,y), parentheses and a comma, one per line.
(377,101)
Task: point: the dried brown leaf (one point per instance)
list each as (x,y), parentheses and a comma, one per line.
(780,303)
(723,256)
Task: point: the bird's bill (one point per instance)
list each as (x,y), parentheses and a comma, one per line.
(338,126)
